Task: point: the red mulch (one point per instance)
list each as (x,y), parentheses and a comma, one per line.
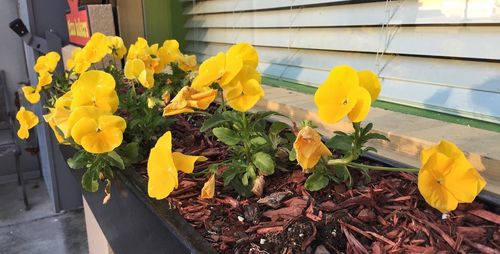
(386,216)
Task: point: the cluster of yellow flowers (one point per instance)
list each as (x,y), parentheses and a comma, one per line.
(446,177)
(143,61)
(234,71)
(94,51)
(44,66)
(85,113)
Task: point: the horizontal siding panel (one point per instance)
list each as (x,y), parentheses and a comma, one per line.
(462,42)
(366,14)
(474,75)
(219,6)
(401,89)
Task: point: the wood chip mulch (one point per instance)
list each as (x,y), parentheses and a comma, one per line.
(388,215)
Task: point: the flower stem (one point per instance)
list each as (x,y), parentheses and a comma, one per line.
(342,161)
(199,112)
(380,168)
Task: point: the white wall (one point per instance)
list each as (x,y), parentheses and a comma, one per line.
(442,55)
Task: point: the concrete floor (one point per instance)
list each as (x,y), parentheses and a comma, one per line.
(38,230)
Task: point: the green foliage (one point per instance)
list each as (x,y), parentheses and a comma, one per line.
(253,143)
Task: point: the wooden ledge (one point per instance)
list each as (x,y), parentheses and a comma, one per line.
(408,133)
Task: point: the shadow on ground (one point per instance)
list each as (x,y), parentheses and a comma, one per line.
(38,230)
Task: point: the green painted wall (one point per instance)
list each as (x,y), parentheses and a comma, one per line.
(163,20)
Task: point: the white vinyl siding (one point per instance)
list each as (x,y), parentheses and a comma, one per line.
(442,55)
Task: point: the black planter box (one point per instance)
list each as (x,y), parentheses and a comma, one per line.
(134,223)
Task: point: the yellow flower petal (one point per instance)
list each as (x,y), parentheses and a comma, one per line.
(95,88)
(208,190)
(188,99)
(27,120)
(185,163)
(247,52)
(31,94)
(337,96)
(210,71)
(133,68)
(309,148)
(47,63)
(83,127)
(186,62)
(370,81)
(169,51)
(102,141)
(447,178)
(44,79)
(146,78)
(162,174)
(233,65)
(360,110)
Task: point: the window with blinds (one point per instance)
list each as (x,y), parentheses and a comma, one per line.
(442,55)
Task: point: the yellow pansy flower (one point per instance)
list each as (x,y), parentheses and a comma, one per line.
(78,61)
(447,178)
(309,148)
(27,120)
(186,62)
(188,99)
(97,48)
(47,63)
(370,81)
(118,49)
(221,68)
(57,118)
(169,52)
(341,95)
(208,190)
(98,133)
(163,166)
(134,68)
(32,94)
(95,88)
(244,91)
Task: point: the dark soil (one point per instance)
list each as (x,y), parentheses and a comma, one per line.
(388,215)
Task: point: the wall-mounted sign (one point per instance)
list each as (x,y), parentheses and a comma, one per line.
(78,24)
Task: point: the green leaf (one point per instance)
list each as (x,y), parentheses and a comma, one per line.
(214,121)
(258,141)
(292,156)
(226,136)
(229,174)
(79,160)
(277,127)
(264,162)
(130,152)
(375,136)
(340,143)
(115,160)
(366,129)
(370,149)
(244,179)
(316,181)
(251,172)
(90,180)
(341,133)
(342,172)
